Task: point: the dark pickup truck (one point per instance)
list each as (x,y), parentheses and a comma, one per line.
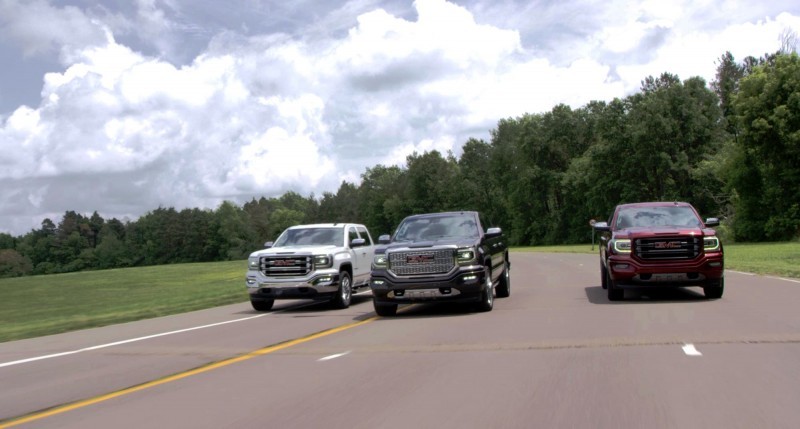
(440,257)
(657,245)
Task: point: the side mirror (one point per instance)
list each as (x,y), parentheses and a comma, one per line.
(384,239)
(601,226)
(356,242)
(268,244)
(712,221)
(494,232)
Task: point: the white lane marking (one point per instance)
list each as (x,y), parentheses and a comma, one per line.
(690,350)
(333,356)
(769,277)
(132,340)
(782,278)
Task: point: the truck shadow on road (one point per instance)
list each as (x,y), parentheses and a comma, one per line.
(428,310)
(298,307)
(598,295)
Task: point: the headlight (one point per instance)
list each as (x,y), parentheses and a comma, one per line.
(622,245)
(252,263)
(323,261)
(380,261)
(465,255)
(711,244)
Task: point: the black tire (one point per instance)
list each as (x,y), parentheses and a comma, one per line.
(384,309)
(345,292)
(262,304)
(504,286)
(487,296)
(614,292)
(603,276)
(714,291)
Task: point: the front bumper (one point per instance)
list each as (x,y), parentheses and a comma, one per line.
(627,271)
(464,284)
(319,285)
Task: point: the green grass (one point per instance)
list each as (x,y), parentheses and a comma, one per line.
(43,305)
(780,259)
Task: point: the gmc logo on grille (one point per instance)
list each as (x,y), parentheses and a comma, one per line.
(419,259)
(667,245)
(283,263)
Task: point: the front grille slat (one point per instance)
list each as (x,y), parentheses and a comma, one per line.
(403,263)
(286,266)
(672,248)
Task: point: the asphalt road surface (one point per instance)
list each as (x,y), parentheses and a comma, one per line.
(556,354)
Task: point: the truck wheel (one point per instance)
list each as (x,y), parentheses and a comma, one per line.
(487,297)
(504,287)
(614,292)
(345,292)
(603,276)
(262,304)
(714,291)
(384,309)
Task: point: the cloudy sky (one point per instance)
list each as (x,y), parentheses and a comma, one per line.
(124,106)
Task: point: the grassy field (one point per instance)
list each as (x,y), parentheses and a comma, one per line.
(43,305)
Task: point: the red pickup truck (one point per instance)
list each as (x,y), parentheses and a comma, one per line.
(660,244)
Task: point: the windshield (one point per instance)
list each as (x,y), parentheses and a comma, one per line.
(657,216)
(311,237)
(432,228)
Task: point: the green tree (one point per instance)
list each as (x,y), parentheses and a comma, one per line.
(232,232)
(768,168)
(431,179)
(111,251)
(342,206)
(382,199)
(7,241)
(13,264)
(281,219)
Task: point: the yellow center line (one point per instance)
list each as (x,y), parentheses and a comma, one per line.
(102,398)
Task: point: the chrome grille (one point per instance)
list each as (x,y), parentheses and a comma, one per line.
(286,266)
(420,262)
(667,248)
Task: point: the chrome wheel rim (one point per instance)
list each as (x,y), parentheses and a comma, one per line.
(489,288)
(346,290)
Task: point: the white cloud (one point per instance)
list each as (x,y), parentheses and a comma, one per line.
(42,28)
(123,132)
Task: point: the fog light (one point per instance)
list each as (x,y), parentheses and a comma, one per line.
(251,283)
(715,264)
(378,282)
(621,266)
(323,280)
(468,278)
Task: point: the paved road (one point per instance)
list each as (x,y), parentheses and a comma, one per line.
(556,353)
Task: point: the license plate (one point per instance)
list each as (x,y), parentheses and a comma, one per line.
(669,277)
(423,293)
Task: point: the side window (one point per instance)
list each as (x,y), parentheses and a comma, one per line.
(351,235)
(365,235)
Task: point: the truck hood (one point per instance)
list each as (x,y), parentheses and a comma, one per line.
(666,231)
(296,250)
(441,242)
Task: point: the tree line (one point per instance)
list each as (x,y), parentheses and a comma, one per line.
(731,148)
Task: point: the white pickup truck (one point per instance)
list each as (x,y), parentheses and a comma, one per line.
(321,262)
